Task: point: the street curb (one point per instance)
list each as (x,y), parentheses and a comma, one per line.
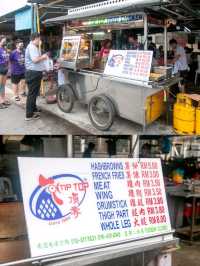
(49,112)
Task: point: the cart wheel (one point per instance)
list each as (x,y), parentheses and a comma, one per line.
(101,112)
(65,98)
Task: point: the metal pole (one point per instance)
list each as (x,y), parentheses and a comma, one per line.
(42,91)
(165,43)
(37,18)
(137,146)
(64,30)
(70,146)
(82,145)
(134,149)
(33,18)
(145,32)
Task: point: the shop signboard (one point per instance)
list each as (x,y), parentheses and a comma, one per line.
(131,64)
(76,204)
(113,20)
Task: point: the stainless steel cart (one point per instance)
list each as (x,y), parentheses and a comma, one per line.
(108,96)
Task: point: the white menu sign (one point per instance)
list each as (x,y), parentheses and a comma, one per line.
(132,64)
(72,204)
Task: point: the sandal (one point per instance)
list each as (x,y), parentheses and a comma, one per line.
(7,103)
(17,99)
(3,106)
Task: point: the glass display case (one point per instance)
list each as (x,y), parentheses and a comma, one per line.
(76,52)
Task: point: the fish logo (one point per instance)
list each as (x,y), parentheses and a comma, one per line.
(58,197)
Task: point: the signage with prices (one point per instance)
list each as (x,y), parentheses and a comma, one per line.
(73,204)
(131,64)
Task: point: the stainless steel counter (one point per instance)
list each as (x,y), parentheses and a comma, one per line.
(131,248)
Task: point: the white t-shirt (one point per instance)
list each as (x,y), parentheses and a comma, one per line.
(31,53)
(181,64)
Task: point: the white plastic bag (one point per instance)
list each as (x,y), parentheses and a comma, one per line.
(62,77)
(48,65)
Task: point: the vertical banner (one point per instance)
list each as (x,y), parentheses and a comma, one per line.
(72,204)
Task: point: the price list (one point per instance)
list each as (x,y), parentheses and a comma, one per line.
(130,195)
(131,64)
(137,64)
(146,194)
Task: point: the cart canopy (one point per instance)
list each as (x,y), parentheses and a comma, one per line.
(187,12)
(105,7)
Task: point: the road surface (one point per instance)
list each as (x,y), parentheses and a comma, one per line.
(12,122)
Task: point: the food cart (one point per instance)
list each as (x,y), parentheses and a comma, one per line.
(133,96)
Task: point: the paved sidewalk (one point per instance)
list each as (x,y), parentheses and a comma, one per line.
(79,117)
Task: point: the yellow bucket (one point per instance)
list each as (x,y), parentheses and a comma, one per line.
(184,115)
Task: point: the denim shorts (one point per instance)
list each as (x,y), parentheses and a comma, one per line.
(15,79)
(3,70)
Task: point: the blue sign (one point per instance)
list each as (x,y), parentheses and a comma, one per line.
(23,20)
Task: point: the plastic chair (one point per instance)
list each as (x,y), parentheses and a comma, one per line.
(6,186)
(198,70)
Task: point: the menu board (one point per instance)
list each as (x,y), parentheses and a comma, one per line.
(73,204)
(132,64)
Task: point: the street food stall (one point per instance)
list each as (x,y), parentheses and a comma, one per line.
(125,84)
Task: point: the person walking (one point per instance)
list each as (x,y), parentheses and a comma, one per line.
(4,60)
(17,63)
(34,64)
